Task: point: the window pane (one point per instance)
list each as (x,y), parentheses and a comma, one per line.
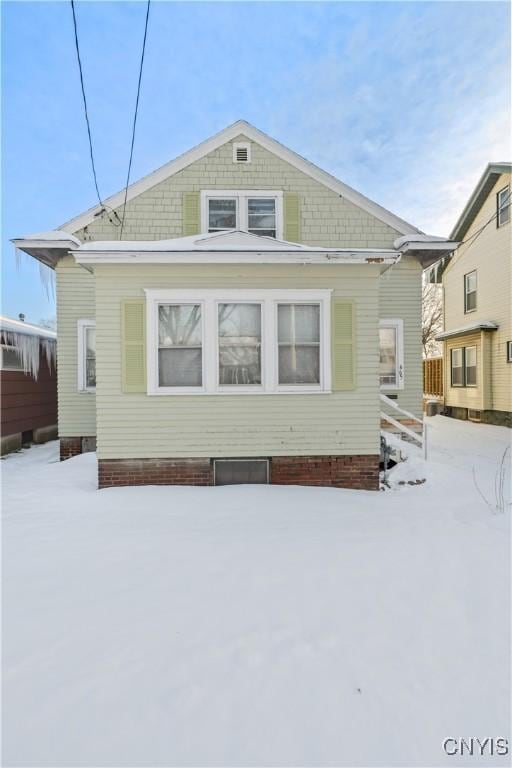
(90,357)
(299,364)
(180,352)
(11,358)
(221,214)
(299,343)
(179,325)
(503,206)
(387,342)
(262,216)
(457,371)
(471,282)
(471,366)
(239,344)
(180,367)
(298,322)
(470,301)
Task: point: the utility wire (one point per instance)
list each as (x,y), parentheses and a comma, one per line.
(135,119)
(495,216)
(85,103)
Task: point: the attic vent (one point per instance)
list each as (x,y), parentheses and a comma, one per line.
(241,153)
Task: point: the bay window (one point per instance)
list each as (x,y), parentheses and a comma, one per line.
(215,341)
(180,345)
(463,365)
(391,367)
(255,211)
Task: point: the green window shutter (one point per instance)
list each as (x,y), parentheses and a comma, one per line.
(343,345)
(133,343)
(291,213)
(191,213)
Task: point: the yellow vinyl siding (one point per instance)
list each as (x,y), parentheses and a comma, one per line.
(138,425)
(491,255)
(75,300)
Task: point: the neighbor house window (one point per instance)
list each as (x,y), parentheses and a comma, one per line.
(223,341)
(239,344)
(255,211)
(457,367)
(509,351)
(503,206)
(86,355)
(180,349)
(298,330)
(391,366)
(470,366)
(10,358)
(470,291)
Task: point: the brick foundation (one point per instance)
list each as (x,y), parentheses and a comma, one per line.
(69,447)
(360,472)
(113,472)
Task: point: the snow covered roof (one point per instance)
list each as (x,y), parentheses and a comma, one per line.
(47,247)
(230,240)
(426,248)
(483,325)
(245,129)
(233,246)
(28,329)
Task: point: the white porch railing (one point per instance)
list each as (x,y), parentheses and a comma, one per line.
(419,438)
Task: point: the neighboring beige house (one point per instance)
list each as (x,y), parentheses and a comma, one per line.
(477,287)
(245,326)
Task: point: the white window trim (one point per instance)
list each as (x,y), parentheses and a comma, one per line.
(502,208)
(82,325)
(209,300)
(241,196)
(398,324)
(509,351)
(466,292)
(242,145)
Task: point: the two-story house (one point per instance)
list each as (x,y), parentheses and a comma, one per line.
(477,292)
(241,324)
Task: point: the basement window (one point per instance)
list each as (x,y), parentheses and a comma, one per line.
(240,471)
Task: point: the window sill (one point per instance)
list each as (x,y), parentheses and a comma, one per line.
(87,391)
(223,392)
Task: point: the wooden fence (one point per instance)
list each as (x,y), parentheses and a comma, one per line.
(433,376)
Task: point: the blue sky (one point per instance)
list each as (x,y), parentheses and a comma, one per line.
(406,102)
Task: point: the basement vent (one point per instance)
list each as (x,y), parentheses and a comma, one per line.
(474,415)
(240,471)
(241,153)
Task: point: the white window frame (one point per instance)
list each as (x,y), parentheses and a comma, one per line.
(500,208)
(241,196)
(509,351)
(9,367)
(82,325)
(242,145)
(210,300)
(467,293)
(465,365)
(398,325)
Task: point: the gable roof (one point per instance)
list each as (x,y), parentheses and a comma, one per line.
(478,198)
(241,127)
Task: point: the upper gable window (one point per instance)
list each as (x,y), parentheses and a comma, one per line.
(257,211)
(503,206)
(470,291)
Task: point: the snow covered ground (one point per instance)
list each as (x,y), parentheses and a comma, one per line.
(256,625)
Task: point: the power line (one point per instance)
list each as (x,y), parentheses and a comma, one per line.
(135,120)
(85,103)
(493,217)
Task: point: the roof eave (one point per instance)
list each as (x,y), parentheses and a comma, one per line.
(486,182)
